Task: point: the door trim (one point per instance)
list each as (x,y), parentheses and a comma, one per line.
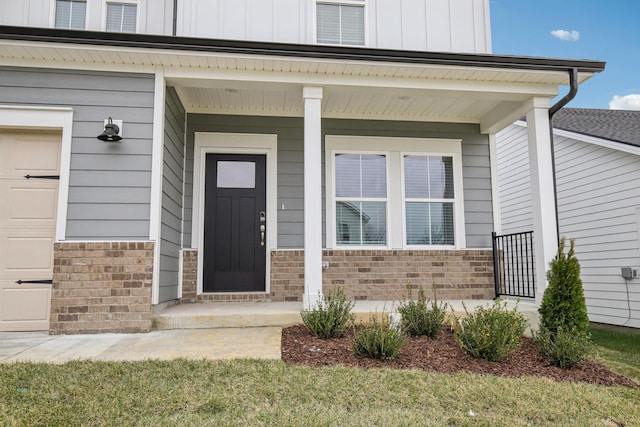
(44,118)
(234,143)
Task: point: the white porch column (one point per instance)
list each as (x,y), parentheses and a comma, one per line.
(544,219)
(312,197)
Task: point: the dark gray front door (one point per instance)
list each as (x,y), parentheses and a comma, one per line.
(235,223)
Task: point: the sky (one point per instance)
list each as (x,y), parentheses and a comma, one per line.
(604,30)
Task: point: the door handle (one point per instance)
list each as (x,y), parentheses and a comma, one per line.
(262,230)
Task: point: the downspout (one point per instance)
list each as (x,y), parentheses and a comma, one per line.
(573,90)
(175,17)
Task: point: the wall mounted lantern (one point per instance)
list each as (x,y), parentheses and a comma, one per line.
(110,133)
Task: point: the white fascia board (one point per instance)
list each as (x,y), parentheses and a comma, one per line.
(607,143)
(28,117)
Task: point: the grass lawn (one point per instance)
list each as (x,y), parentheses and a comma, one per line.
(247,392)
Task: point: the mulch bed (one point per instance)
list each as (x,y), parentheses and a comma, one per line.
(442,355)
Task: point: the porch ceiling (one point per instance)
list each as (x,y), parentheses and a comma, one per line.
(432,89)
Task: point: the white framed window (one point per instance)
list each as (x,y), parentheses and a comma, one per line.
(340,22)
(121,17)
(429,202)
(71,14)
(394,192)
(360,199)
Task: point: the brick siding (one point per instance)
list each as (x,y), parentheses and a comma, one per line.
(383,275)
(101,287)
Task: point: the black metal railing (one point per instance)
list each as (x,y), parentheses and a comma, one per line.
(513,264)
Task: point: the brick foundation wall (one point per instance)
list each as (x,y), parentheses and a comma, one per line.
(189,275)
(384,274)
(101,287)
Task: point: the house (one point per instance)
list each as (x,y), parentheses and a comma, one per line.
(598,178)
(270,150)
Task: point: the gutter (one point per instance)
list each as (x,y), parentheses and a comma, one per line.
(151,41)
(573,91)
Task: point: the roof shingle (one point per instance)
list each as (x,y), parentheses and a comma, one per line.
(615,125)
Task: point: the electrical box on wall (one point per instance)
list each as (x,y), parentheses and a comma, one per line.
(629,273)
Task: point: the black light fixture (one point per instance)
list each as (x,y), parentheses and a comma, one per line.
(110,133)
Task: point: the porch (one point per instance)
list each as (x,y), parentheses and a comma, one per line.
(213,315)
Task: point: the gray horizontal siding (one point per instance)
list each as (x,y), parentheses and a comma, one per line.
(172,196)
(475,161)
(514,181)
(598,204)
(109,188)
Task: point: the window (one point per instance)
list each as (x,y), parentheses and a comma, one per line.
(361,199)
(394,192)
(121,17)
(71,14)
(340,22)
(429,201)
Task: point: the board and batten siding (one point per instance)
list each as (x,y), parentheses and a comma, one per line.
(598,207)
(434,25)
(171,217)
(109,186)
(290,131)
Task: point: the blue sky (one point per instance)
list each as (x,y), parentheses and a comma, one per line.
(606,30)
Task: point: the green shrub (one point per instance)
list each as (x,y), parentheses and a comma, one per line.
(563,304)
(331,317)
(422,317)
(378,340)
(490,333)
(564,348)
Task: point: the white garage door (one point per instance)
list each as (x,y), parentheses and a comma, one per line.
(27,227)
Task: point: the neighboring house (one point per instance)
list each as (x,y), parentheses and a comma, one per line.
(598,178)
(261,141)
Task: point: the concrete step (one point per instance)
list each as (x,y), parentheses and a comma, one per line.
(264,314)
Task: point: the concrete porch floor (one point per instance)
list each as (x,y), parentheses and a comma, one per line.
(211,315)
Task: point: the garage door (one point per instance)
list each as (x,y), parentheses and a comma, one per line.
(29,166)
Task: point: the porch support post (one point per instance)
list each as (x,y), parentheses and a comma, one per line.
(312,197)
(542,189)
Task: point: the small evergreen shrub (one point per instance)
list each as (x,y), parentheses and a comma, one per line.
(331,317)
(378,340)
(422,317)
(565,348)
(563,304)
(490,333)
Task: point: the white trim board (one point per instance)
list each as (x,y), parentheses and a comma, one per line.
(234,143)
(26,117)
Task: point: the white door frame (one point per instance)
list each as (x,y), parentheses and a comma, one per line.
(234,143)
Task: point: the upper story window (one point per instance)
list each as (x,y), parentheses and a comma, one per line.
(340,22)
(121,17)
(71,14)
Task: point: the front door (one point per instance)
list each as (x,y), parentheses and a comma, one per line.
(235,223)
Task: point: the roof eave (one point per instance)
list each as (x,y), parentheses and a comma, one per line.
(150,41)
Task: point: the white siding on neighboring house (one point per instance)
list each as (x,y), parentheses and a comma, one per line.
(599,207)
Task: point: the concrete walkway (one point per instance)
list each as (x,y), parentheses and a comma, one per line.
(196,331)
(213,344)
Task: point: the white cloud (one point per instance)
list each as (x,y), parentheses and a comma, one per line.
(570,36)
(627,102)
